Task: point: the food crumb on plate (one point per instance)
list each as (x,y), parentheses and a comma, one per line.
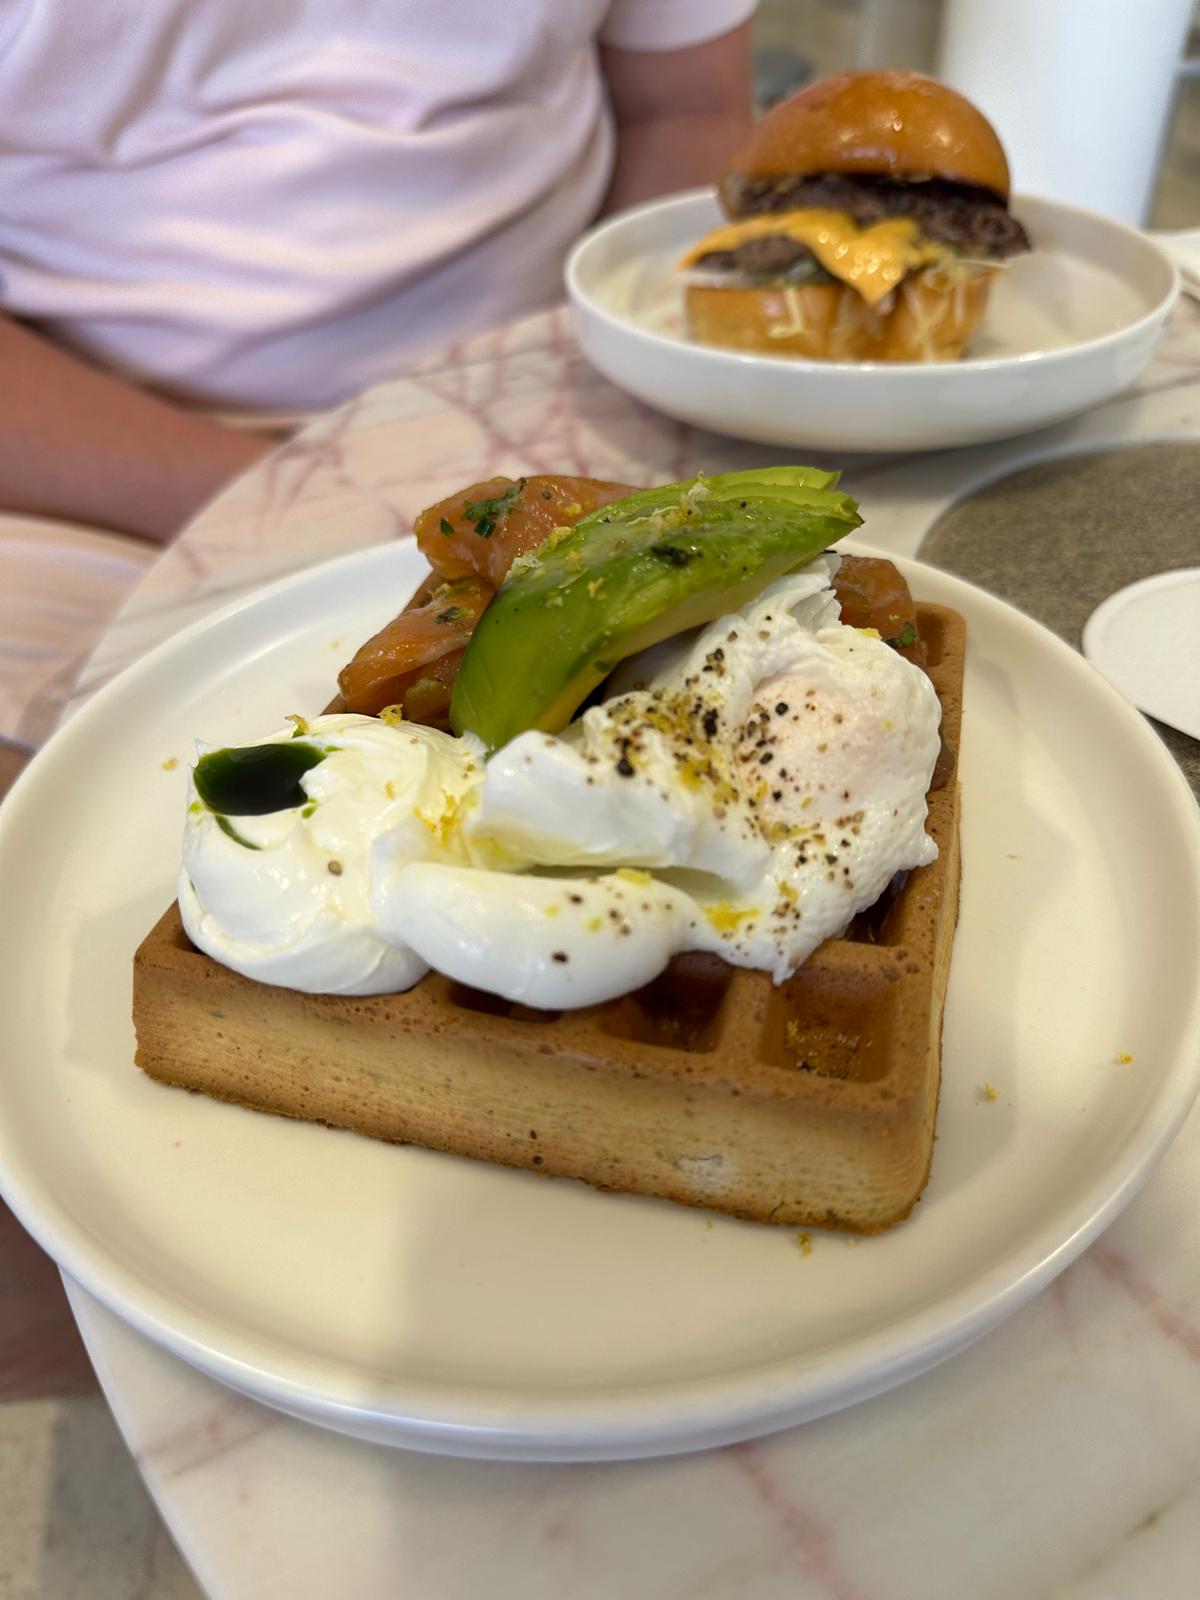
(1122,1058)
(170,764)
(805,1243)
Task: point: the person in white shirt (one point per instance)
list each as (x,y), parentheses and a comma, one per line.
(265,206)
(209,208)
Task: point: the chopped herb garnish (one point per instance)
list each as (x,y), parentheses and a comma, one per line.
(447,527)
(485,514)
(906,636)
(451,614)
(674,555)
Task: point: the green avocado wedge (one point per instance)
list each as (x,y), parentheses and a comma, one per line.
(629,575)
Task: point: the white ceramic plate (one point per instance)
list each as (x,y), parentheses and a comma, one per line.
(424,1300)
(1068,325)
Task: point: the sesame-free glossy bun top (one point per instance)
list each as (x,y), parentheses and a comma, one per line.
(895,124)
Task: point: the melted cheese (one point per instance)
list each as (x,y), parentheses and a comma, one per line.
(870,260)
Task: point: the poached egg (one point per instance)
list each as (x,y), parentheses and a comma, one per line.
(744,790)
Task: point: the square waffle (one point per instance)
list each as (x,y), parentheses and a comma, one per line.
(808,1103)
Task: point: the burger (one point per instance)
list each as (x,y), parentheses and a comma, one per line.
(867,217)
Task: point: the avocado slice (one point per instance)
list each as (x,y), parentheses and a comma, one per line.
(787,481)
(629,575)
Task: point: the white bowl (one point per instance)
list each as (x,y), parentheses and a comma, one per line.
(1067,326)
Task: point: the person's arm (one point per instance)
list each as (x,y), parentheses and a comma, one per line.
(680,114)
(83,446)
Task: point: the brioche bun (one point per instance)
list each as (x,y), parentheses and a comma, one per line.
(890,124)
(929,317)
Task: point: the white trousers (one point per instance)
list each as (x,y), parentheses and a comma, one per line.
(59,586)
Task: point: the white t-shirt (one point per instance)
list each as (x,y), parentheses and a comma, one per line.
(271,204)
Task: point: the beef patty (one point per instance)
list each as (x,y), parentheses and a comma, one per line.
(975,221)
(774,257)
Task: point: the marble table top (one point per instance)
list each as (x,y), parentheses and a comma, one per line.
(1058,1455)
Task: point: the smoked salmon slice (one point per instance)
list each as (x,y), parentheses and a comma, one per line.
(471,539)
(873,594)
(388,665)
(482,530)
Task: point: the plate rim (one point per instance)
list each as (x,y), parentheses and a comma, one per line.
(660,1418)
(915,371)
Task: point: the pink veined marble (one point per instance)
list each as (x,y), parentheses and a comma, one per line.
(1057,1456)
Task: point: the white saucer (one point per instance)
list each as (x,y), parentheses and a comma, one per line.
(1069,325)
(1145,639)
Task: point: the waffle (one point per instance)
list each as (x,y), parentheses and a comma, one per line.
(808,1103)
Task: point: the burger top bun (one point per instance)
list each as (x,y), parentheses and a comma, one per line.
(893,124)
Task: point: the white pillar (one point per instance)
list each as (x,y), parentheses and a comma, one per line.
(1080,91)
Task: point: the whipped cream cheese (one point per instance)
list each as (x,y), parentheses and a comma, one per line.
(745,790)
(286,898)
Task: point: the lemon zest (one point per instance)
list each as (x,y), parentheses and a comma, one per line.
(726,918)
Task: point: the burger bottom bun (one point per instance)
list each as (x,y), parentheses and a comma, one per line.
(929,317)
